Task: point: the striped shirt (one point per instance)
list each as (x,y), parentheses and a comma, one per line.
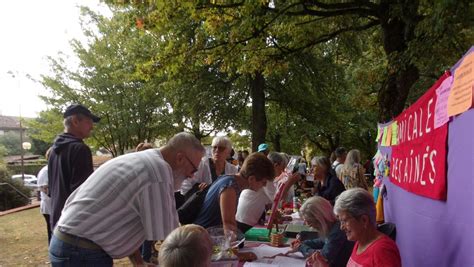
(127,200)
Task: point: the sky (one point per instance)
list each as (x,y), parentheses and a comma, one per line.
(31,31)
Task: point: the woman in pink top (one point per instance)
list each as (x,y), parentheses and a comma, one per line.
(355,209)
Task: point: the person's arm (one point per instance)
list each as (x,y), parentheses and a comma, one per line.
(291,181)
(335,242)
(308,247)
(136,259)
(228,201)
(333,189)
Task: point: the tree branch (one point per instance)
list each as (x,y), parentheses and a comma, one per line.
(330,36)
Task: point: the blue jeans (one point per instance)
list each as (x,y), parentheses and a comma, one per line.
(64,254)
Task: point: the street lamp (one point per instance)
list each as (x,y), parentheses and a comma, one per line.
(24,146)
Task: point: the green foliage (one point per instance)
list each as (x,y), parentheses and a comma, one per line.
(11,142)
(108,81)
(33,168)
(3,152)
(9,198)
(46,126)
(329,69)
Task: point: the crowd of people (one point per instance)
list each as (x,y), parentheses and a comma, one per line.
(128,205)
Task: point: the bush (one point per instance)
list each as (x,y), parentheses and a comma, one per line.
(29,169)
(10,198)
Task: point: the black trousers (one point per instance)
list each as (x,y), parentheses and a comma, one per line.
(48,226)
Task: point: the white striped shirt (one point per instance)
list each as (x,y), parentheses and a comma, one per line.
(127,200)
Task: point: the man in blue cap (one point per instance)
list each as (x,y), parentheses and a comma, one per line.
(263,148)
(70,161)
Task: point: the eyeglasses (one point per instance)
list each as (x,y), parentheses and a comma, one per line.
(345,221)
(219,148)
(195,169)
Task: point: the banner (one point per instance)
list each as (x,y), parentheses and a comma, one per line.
(419,157)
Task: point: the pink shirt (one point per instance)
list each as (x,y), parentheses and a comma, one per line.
(382,252)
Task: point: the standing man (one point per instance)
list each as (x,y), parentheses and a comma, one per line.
(126,201)
(341,154)
(70,161)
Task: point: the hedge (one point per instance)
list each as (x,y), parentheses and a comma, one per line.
(9,198)
(29,169)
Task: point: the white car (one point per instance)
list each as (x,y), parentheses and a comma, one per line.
(30,180)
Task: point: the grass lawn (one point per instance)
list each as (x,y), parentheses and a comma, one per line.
(24,240)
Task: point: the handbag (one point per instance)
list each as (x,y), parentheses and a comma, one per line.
(189,211)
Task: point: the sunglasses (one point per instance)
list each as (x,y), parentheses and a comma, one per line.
(219,148)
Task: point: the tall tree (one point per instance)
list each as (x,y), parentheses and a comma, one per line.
(132,106)
(253,35)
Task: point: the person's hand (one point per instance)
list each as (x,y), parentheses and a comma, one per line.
(295,245)
(317,260)
(202,186)
(294,178)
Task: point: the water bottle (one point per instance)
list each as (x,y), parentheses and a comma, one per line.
(295,204)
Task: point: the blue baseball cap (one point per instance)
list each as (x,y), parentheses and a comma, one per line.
(262,147)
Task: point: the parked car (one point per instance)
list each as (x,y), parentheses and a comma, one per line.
(29,181)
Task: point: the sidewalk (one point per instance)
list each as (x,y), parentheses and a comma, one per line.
(34,203)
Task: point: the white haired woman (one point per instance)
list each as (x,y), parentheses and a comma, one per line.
(355,209)
(328,185)
(332,243)
(209,169)
(352,173)
(188,245)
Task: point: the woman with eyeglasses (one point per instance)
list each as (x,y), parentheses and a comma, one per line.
(220,204)
(209,169)
(355,209)
(327,185)
(332,243)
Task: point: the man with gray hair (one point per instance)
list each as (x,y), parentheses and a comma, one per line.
(70,161)
(127,200)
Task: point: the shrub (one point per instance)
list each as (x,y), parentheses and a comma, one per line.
(10,198)
(29,168)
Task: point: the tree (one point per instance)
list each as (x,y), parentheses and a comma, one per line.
(11,142)
(254,36)
(107,80)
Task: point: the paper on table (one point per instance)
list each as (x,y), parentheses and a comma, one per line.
(289,262)
(279,261)
(265,251)
(259,264)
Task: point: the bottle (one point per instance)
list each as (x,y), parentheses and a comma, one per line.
(295,204)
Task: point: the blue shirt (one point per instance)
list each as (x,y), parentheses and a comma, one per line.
(210,214)
(335,247)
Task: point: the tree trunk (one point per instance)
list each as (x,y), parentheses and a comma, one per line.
(276,140)
(397,31)
(259,118)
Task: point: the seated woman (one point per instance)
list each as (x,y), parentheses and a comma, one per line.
(188,245)
(251,203)
(220,204)
(355,209)
(352,173)
(327,185)
(332,243)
